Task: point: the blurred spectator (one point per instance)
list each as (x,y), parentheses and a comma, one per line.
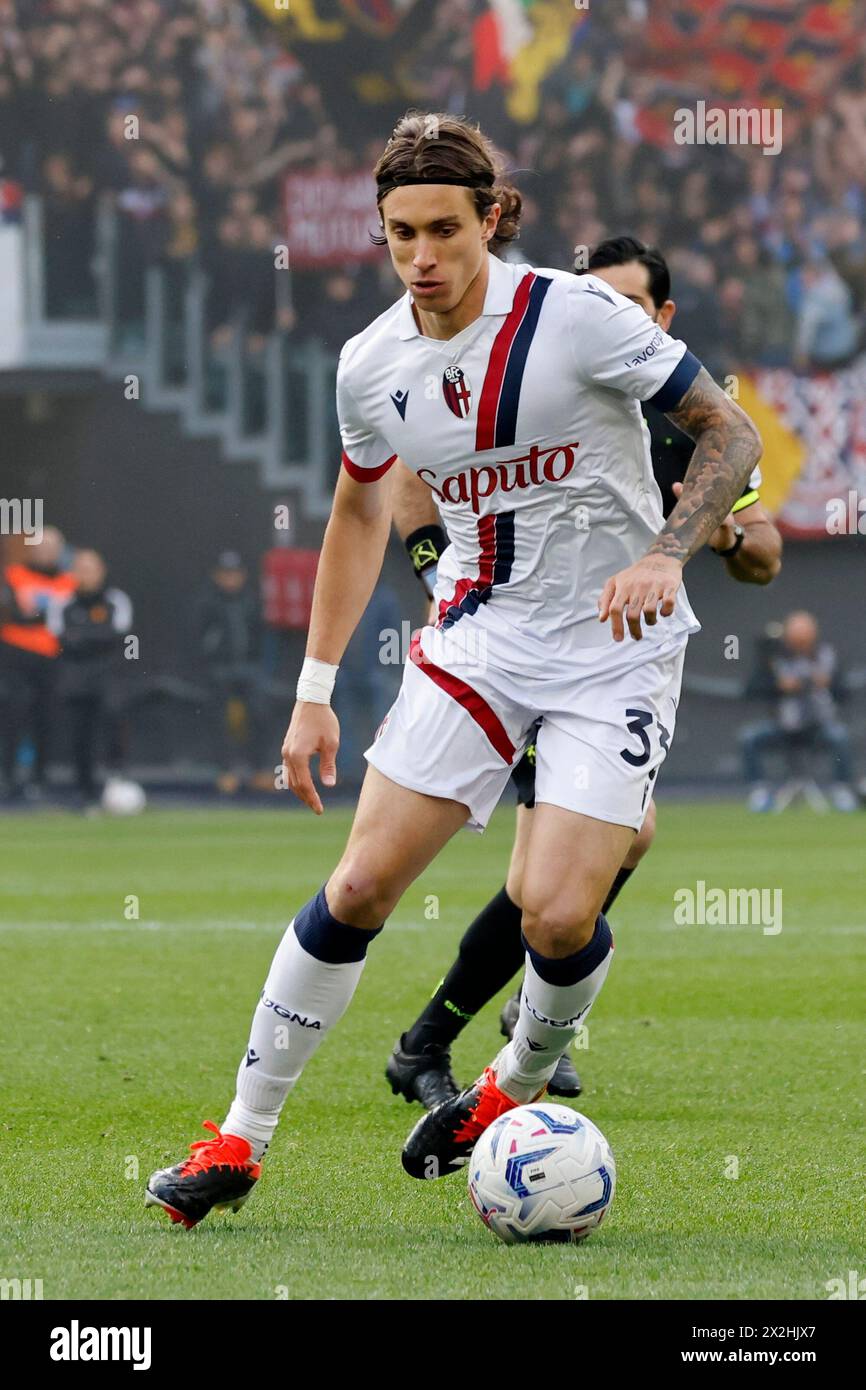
(803,671)
(242,273)
(69,228)
(828,333)
(338,305)
(229,636)
(698,310)
(755,302)
(181,239)
(846,250)
(29,589)
(143,224)
(91,626)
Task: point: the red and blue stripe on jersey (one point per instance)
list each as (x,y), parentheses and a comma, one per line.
(495,561)
(500,394)
(497,426)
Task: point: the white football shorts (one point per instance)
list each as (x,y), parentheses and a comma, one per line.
(466,708)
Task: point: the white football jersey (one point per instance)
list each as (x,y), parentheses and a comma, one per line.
(527,428)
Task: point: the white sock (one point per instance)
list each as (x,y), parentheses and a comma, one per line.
(555,999)
(304,996)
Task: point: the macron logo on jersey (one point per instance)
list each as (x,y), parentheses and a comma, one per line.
(400,399)
(592,289)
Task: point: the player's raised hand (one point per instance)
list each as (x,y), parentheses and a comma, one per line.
(314,729)
(645,590)
(724,537)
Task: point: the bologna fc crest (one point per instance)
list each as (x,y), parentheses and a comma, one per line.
(457,392)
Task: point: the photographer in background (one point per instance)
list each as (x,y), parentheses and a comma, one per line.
(802,670)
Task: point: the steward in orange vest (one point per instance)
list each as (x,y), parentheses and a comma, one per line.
(31,590)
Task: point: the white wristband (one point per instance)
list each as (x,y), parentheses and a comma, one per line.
(316,681)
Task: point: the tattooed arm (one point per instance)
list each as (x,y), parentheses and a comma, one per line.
(759,557)
(727,447)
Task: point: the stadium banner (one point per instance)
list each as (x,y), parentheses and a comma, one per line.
(814,430)
(329,218)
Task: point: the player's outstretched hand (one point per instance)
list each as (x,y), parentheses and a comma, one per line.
(313,729)
(647,588)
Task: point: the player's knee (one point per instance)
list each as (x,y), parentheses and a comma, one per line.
(359,896)
(555,932)
(643,839)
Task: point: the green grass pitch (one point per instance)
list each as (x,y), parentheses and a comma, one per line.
(712,1050)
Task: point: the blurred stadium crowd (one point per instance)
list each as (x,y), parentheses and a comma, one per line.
(768,252)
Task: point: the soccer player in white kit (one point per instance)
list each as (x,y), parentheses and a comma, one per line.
(513,393)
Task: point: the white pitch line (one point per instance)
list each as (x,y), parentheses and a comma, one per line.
(274,927)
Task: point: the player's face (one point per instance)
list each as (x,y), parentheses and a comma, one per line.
(437,241)
(632,280)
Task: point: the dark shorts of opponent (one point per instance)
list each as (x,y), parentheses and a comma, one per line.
(523,775)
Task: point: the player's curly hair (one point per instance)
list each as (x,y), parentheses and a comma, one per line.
(427,143)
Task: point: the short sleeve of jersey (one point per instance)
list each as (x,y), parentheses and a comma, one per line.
(366,455)
(617,345)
